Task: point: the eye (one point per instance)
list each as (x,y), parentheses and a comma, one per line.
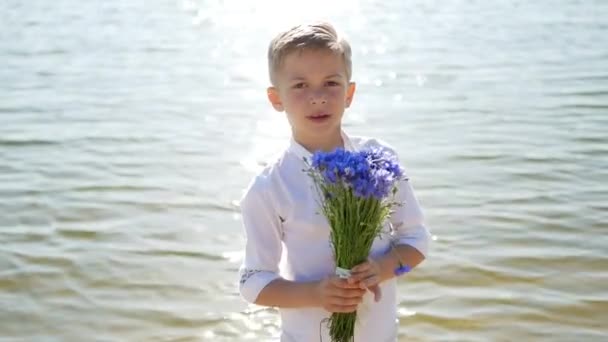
(299,85)
(332,83)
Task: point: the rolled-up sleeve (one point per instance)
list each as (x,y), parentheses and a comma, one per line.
(262,228)
(408,220)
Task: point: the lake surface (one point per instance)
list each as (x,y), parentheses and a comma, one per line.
(128,130)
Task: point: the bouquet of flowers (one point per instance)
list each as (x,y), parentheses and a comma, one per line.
(357,191)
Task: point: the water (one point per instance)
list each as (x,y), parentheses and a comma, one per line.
(129,129)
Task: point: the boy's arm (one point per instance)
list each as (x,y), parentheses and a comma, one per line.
(409,246)
(399,255)
(260,281)
(288,294)
(332,293)
(410,241)
(376,270)
(263,247)
(410,238)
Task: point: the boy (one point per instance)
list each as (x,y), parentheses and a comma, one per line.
(288,258)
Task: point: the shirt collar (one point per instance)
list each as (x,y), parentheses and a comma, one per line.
(302,153)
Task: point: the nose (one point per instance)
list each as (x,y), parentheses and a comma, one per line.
(318,97)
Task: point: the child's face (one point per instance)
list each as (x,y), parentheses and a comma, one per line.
(312,88)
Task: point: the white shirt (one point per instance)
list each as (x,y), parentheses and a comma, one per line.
(288,236)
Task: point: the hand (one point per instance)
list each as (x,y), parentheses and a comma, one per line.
(367,276)
(338,295)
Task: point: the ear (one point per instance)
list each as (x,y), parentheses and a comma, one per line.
(275,99)
(350,93)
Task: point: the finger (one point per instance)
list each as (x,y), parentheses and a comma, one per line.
(377,291)
(347,283)
(337,301)
(342,308)
(370,281)
(362,267)
(347,293)
(339,282)
(357,277)
(345,301)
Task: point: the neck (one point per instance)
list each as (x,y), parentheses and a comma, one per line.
(325,143)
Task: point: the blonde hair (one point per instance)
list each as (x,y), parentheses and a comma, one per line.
(315,36)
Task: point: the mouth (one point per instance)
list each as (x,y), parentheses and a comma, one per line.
(318,117)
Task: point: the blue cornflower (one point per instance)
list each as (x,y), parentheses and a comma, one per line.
(372,172)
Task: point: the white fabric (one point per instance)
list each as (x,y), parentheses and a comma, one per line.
(287,236)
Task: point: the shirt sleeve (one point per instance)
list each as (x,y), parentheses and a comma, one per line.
(408,220)
(263,246)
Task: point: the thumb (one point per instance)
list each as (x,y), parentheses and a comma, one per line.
(376,291)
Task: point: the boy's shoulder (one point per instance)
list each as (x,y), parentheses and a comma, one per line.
(362,142)
(365,142)
(261,184)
